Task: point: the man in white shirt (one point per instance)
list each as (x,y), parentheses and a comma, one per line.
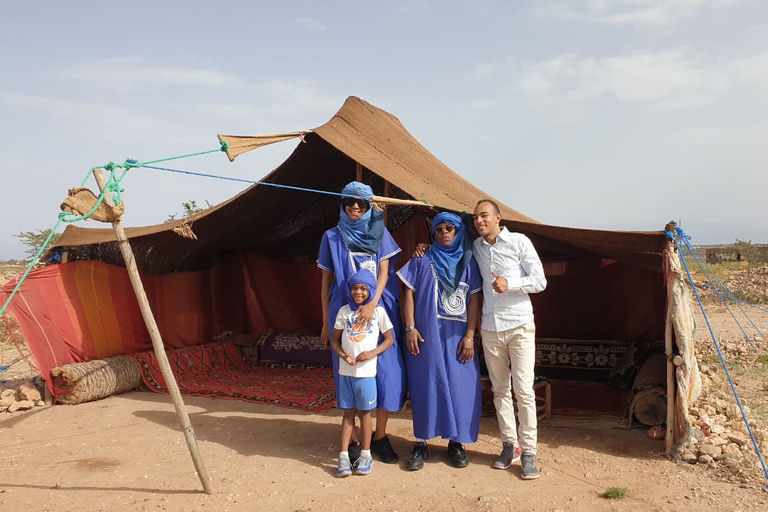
(511,269)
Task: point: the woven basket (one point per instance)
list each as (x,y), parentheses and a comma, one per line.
(83,382)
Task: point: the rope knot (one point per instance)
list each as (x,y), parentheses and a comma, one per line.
(110,166)
(224,146)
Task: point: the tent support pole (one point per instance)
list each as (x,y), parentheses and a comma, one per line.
(669,441)
(157,342)
(358,172)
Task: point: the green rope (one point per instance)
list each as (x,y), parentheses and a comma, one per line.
(29,268)
(113,187)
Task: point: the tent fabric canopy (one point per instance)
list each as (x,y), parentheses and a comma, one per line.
(287,224)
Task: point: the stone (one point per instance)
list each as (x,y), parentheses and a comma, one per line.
(21,405)
(29,391)
(737,438)
(709,450)
(705,459)
(689,456)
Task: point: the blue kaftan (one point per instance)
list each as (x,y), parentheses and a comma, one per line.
(445,393)
(336,258)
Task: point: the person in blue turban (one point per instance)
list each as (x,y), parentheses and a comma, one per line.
(440,310)
(361,241)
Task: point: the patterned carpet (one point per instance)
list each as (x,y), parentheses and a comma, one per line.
(224,370)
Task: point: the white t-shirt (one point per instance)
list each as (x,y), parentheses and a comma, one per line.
(355,340)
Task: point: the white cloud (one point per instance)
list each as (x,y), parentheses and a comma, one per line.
(753,71)
(294,96)
(312,24)
(132,74)
(667,79)
(649,13)
(482,71)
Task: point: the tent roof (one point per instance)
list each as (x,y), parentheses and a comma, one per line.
(287,223)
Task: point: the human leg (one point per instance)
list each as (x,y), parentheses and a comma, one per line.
(497,360)
(347,424)
(522,353)
(380,444)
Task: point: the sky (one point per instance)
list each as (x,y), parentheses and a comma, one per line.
(601,114)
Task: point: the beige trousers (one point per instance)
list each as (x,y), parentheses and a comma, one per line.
(511,355)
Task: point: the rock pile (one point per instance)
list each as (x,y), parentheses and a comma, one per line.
(21,398)
(720,435)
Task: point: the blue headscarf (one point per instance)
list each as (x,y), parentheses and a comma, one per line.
(365,277)
(450,262)
(365,234)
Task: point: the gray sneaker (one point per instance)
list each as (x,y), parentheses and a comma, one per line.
(530,471)
(509,455)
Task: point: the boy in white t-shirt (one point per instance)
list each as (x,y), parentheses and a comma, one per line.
(357,347)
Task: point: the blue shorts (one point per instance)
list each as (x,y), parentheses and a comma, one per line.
(356,393)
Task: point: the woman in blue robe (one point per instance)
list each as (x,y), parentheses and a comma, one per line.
(441,314)
(361,241)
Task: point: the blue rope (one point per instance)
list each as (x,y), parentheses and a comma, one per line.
(252,182)
(704,267)
(719,352)
(4,368)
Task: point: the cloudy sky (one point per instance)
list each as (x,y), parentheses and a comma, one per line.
(605,114)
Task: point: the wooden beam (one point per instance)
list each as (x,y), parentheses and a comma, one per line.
(669,438)
(358,172)
(157,342)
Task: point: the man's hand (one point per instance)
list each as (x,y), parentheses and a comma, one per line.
(500,284)
(421,250)
(324,335)
(365,315)
(412,340)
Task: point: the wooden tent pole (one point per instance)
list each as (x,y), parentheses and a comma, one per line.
(669,441)
(358,172)
(157,342)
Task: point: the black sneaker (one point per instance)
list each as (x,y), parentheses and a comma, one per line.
(417,457)
(354,450)
(383,450)
(529,471)
(458,456)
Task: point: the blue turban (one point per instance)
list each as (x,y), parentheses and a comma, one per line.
(366,233)
(365,277)
(450,262)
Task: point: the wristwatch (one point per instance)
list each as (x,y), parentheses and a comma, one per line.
(409,328)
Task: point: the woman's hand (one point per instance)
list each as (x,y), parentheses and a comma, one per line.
(466,350)
(365,315)
(412,340)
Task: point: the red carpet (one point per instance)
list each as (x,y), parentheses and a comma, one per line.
(221,370)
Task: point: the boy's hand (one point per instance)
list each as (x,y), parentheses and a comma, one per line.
(365,315)
(421,249)
(349,360)
(412,340)
(365,356)
(466,350)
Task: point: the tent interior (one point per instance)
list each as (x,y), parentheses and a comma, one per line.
(252,268)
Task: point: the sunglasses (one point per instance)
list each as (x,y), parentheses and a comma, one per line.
(447,228)
(349,202)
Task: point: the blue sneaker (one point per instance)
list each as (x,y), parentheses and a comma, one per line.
(344,469)
(364,465)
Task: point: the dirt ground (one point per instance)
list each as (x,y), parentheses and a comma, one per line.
(128,453)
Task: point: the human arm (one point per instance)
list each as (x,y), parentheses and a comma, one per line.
(336,345)
(467,345)
(413,337)
(421,249)
(389,340)
(532,278)
(365,311)
(325,300)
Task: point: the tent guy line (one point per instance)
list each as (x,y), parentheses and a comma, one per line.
(685,240)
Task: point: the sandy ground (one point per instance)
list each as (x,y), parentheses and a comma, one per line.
(128,453)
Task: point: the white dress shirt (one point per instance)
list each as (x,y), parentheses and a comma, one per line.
(513,257)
